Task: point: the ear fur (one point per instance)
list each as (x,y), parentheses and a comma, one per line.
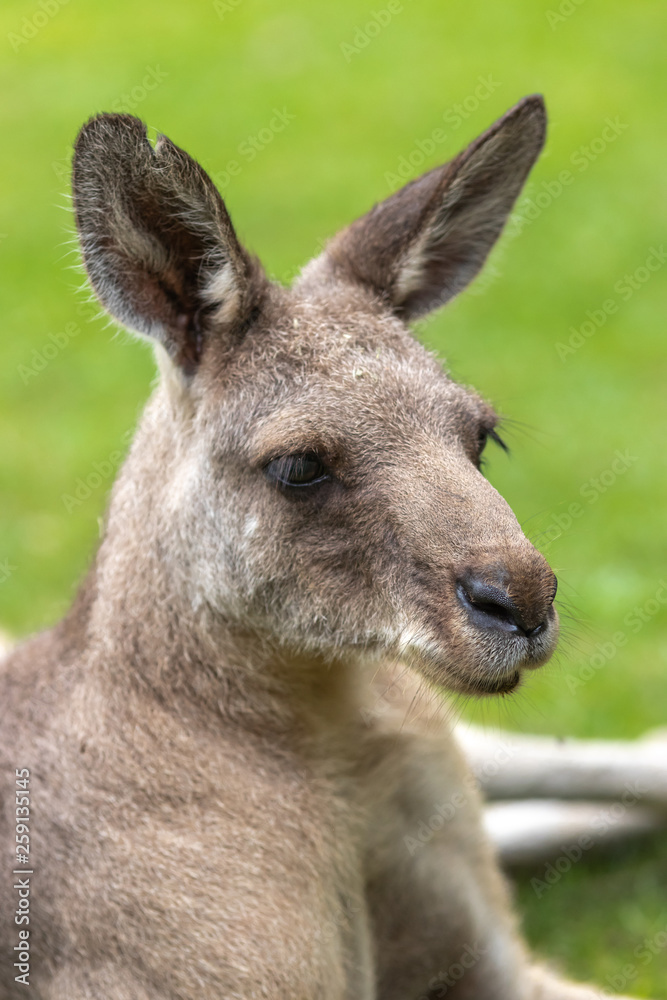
(424,244)
(157,241)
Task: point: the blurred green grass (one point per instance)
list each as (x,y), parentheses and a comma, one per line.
(216,73)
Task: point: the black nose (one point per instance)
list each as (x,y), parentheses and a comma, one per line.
(492,608)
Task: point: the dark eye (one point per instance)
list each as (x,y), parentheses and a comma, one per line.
(484,434)
(297,470)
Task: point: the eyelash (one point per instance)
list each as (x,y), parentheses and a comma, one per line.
(485,434)
(288,471)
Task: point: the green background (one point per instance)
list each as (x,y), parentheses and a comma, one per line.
(364,101)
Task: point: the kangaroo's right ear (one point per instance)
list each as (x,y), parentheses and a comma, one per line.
(158,245)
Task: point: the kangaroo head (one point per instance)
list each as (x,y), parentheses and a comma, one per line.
(306,468)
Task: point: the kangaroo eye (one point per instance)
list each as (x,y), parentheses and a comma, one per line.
(297,470)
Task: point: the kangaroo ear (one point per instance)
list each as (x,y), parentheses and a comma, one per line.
(425,243)
(158,245)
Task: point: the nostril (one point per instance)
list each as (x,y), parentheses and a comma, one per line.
(489,600)
(492,606)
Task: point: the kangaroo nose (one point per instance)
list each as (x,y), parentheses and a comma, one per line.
(492,607)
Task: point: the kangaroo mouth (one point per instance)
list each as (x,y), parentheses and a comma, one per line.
(467,660)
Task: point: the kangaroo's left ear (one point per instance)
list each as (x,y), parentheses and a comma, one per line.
(426,242)
(157,241)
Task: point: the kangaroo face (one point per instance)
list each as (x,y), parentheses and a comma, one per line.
(349,510)
(324,484)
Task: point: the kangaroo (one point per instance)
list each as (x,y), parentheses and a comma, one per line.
(218,806)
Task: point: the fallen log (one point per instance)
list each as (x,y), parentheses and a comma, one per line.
(533,831)
(515,766)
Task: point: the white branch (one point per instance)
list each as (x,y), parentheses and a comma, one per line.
(530,832)
(536,767)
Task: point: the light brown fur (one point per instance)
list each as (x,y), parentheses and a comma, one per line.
(223,791)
